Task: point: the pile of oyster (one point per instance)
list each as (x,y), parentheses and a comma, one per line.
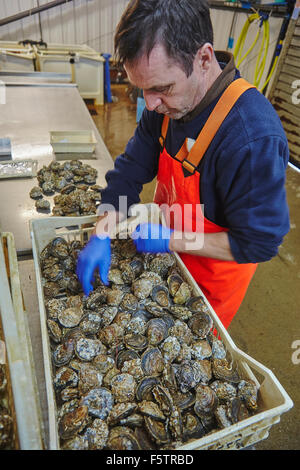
(6,420)
(136,364)
(76,184)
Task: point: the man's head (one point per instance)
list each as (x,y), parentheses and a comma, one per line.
(181,26)
(166,49)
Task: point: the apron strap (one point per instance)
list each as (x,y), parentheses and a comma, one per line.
(212,125)
(164,130)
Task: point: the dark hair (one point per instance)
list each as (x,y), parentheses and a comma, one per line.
(181,26)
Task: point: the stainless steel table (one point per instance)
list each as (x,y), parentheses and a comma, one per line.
(30,112)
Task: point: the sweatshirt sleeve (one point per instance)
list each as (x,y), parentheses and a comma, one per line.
(253,191)
(137,165)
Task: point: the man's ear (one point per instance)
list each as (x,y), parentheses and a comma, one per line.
(204,56)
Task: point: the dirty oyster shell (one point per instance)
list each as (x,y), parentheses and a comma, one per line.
(201,324)
(99,402)
(123,387)
(73,422)
(152,362)
(122,438)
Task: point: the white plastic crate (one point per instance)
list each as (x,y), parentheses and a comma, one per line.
(28,425)
(273,399)
(20,60)
(87,70)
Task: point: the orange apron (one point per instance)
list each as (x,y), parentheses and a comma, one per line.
(224,283)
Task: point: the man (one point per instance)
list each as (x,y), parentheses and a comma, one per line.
(211,139)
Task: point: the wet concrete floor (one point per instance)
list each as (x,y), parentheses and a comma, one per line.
(267,326)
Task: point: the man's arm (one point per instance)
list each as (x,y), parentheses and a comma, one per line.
(208,245)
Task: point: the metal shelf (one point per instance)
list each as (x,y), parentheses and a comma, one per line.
(277,10)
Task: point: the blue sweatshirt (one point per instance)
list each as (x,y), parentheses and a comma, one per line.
(242,184)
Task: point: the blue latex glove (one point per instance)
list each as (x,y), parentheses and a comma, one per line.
(96,254)
(152,238)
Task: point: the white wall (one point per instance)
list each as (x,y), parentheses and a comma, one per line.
(90,22)
(93,22)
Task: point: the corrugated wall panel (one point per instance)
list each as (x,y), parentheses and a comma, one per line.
(93,22)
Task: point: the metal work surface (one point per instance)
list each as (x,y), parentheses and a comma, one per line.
(27,117)
(11,78)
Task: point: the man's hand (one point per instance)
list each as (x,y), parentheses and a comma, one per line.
(152,238)
(96,254)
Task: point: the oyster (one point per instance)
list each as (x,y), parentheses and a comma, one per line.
(99,402)
(224,390)
(6,428)
(197,305)
(42,205)
(206,401)
(63,353)
(36,193)
(73,422)
(111,335)
(123,387)
(89,377)
(163,398)
(144,388)
(182,332)
(149,408)
(152,362)
(188,375)
(122,438)
(54,330)
(142,288)
(247,391)
(90,323)
(183,294)
(157,430)
(97,435)
(174,281)
(103,363)
(225,370)
(121,411)
(200,324)
(65,377)
(157,331)
(170,348)
(124,356)
(59,248)
(136,342)
(192,427)
(87,348)
(70,317)
(180,312)
(134,368)
(160,295)
(201,349)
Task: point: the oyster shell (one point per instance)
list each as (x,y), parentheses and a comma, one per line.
(122,438)
(152,362)
(157,331)
(70,317)
(247,391)
(98,401)
(73,422)
(160,295)
(200,324)
(97,435)
(123,387)
(206,401)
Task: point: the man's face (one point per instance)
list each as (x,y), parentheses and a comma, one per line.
(167,89)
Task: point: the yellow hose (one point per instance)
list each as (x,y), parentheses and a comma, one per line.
(263,51)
